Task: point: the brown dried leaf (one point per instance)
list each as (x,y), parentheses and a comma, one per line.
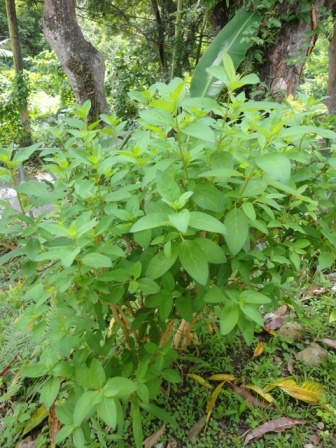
(259,349)
(309,392)
(277,425)
(197,428)
(222,377)
(200,380)
(212,401)
(329,342)
(154,438)
(251,400)
(259,390)
(274,324)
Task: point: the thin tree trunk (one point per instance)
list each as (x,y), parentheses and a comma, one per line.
(82,63)
(177,50)
(331,100)
(160,38)
(26,139)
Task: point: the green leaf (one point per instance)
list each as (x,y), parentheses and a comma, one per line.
(34,188)
(252,313)
(78,438)
(237,230)
(212,252)
(63,433)
(159,413)
(107,411)
(180,220)
(49,391)
(150,222)
(229,318)
(167,187)
(68,255)
(325,260)
(157,117)
(96,260)
(208,197)
(119,387)
(203,221)
(199,131)
(214,295)
(233,40)
(184,306)
(160,264)
(277,166)
(24,153)
(148,286)
(172,376)
(250,296)
(193,261)
(249,211)
(33,248)
(137,425)
(34,371)
(166,307)
(85,405)
(97,375)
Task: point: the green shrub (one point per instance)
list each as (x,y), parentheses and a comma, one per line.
(206,210)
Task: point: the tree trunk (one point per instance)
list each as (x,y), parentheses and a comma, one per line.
(82,63)
(160,38)
(26,138)
(284,60)
(331,100)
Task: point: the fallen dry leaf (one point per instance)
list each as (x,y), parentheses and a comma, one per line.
(251,400)
(222,377)
(290,366)
(259,349)
(200,380)
(309,392)
(329,342)
(212,401)
(154,438)
(277,425)
(197,428)
(260,391)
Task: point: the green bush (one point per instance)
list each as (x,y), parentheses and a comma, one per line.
(205,211)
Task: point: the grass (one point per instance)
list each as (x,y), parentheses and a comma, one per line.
(209,354)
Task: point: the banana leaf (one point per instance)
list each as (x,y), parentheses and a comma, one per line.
(234,39)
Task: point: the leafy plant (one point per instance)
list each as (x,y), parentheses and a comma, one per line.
(183,219)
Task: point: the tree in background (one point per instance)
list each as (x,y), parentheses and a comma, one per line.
(21,85)
(81,61)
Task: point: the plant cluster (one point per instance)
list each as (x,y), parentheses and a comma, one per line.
(204,212)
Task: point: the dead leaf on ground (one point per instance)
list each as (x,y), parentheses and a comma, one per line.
(222,377)
(200,380)
(309,392)
(212,401)
(259,349)
(197,428)
(53,425)
(251,400)
(154,438)
(277,425)
(290,366)
(329,342)
(259,391)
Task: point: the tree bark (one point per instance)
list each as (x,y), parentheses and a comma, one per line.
(80,60)
(331,100)
(284,60)
(26,138)
(160,38)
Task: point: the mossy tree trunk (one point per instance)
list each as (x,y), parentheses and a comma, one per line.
(80,60)
(25,138)
(284,61)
